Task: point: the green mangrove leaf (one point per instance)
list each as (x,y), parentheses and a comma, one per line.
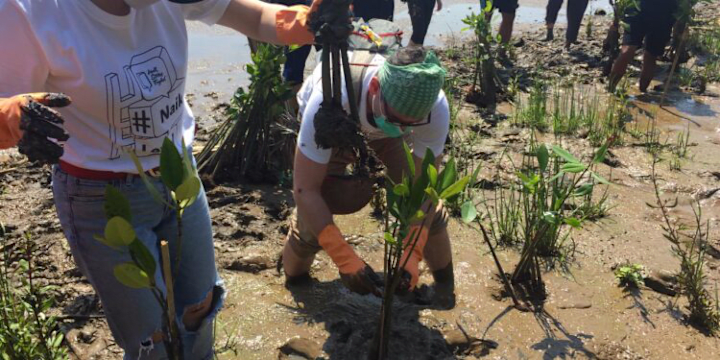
(575,223)
(600,179)
(600,154)
(448,175)
(142,257)
(188,191)
(543,157)
(432,175)
(148,184)
(455,188)
(105,241)
(410,160)
(131,276)
(116,204)
(119,232)
(573,168)
(584,190)
(390,239)
(401,190)
(418,216)
(433,195)
(550,217)
(468,212)
(171,165)
(189,168)
(564,154)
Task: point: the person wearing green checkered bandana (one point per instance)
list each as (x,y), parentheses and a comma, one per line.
(400,101)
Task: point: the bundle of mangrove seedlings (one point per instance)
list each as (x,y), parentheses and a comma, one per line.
(257,140)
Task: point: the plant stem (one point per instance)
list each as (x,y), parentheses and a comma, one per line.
(505,280)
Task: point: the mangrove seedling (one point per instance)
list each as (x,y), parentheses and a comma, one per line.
(179,175)
(483,58)
(558,177)
(630,275)
(410,207)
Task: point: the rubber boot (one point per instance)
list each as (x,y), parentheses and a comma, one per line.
(444,295)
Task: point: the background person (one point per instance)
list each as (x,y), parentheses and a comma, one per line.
(649,26)
(575,11)
(420,15)
(390,113)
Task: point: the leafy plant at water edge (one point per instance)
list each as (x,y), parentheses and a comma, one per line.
(180,177)
(257,141)
(27,331)
(630,275)
(408,204)
(690,249)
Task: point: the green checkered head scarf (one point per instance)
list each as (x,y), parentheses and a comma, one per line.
(412,89)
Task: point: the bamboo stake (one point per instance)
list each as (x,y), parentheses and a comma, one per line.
(170,299)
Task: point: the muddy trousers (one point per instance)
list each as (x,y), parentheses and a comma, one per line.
(391,153)
(575,11)
(134,315)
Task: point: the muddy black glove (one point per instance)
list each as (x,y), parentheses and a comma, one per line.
(332,21)
(29,122)
(365,281)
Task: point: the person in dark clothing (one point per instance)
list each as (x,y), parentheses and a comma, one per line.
(374,9)
(575,11)
(420,16)
(650,26)
(507,8)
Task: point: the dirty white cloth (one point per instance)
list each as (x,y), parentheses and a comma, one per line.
(431,136)
(125,74)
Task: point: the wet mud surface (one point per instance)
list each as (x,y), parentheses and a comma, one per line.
(586,315)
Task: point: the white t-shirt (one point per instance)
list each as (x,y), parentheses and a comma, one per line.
(125,74)
(431,136)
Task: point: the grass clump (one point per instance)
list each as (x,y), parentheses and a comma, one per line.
(27,331)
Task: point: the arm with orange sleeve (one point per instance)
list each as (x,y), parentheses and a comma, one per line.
(273,23)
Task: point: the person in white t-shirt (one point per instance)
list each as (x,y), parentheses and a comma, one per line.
(401,99)
(124,65)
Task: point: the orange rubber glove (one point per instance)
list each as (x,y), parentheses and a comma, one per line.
(355,274)
(411,275)
(292,24)
(28,121)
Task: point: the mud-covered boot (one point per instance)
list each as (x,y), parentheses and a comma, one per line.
(444,295)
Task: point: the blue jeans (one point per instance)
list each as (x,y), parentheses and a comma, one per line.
(134,315)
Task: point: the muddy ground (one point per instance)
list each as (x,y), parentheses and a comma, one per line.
(586,315)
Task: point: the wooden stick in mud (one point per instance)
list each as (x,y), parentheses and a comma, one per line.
(170,299)
(505,280)
(679,51)
(167,273)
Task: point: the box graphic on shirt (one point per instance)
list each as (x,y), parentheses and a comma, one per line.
(144,104)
